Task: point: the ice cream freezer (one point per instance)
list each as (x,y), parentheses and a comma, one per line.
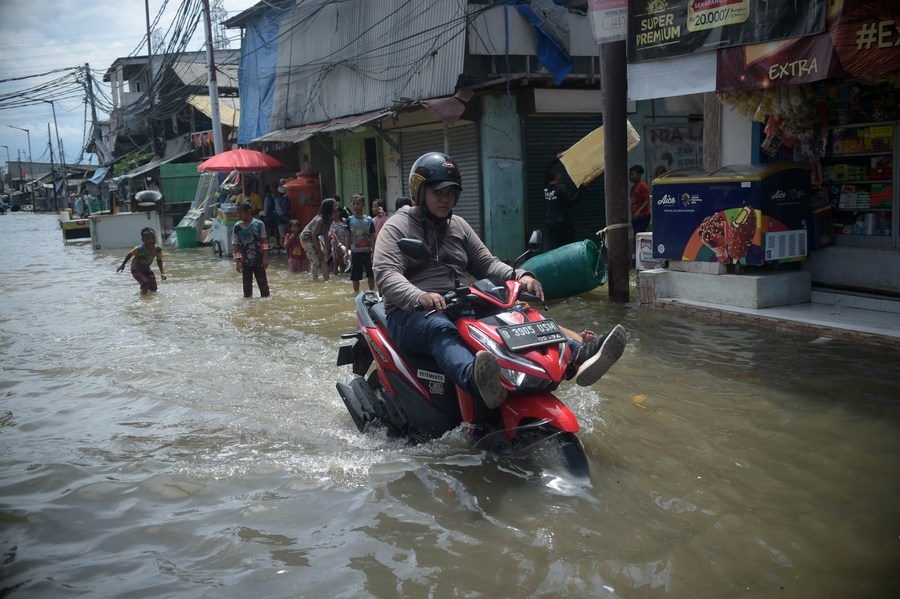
(740,214)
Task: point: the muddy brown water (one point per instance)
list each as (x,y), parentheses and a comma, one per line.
(192,444)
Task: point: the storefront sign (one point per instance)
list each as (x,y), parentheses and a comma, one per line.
(664,28)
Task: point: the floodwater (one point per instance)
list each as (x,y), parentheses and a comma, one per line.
(191,444)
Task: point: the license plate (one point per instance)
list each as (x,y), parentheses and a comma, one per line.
(531,334)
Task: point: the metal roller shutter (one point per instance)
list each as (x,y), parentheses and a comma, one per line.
(545,137)
(463,149)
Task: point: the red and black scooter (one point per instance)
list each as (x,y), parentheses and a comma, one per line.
(410,396)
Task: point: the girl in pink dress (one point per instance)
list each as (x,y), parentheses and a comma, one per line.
(296,257)
(379,217)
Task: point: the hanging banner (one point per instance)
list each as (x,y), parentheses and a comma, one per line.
(665,28)
(862,41)
(777,64)
(609,20)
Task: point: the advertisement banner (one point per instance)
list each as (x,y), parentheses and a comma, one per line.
(669,147)
(665,28)
(866,36)
(777,64)
(862,41)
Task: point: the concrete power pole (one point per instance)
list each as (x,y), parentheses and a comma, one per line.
(614,82)
(150,117)
(99,144)
(218,146)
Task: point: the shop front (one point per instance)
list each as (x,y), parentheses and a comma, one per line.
(832,100)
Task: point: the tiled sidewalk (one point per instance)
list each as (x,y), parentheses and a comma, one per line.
(834,315)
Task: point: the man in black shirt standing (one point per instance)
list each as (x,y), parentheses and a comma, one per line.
(560,230)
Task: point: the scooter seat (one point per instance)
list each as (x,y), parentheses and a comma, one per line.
(379,315)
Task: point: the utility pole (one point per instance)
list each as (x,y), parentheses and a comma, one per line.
(99,145)
(30,165)
(62,155)
(218,146)
(7,167)
(614,82)
(52,177)
(150,82)
(19,156)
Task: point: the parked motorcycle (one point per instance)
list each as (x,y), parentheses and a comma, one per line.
(410,396)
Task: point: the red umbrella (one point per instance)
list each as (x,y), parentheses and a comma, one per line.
(241,160)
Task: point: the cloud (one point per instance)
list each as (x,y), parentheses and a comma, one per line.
(40,36)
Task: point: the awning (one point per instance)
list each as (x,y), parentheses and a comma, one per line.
(146,168)
(229,109)
(289,136)
(302,133)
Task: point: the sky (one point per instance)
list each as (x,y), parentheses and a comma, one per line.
(39,36)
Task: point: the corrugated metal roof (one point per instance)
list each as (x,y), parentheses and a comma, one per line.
(229,108)
(194,74)
(298,134)
(146,168)
(334,62)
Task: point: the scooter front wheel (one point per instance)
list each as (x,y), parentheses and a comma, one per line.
(573,455)
(567,446)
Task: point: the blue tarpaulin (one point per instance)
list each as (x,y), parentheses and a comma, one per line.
(99,175)
(256,75)
(549,50)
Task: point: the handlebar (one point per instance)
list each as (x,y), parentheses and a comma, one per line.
(461,298)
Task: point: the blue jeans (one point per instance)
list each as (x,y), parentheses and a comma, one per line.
(415,333)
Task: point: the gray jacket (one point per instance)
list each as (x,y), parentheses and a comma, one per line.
(402,281)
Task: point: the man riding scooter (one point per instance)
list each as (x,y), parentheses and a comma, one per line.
(414,293)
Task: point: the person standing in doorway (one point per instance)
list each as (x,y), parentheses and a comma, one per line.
(251,250)
(282,214)
(269,216)
(362,237)
(379,217)
(559,203)
(640,200)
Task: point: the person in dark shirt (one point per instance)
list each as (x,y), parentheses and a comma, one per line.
(558,217)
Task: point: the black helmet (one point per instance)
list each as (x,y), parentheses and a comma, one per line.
(435,170)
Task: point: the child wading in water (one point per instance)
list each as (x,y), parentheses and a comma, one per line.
(294,247)
(143,258)
(251,250)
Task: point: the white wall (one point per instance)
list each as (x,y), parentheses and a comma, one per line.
(737,133)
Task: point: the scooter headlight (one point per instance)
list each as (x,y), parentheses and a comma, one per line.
(522,380)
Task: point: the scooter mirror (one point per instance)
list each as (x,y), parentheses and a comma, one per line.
(414,248)
(536,240)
